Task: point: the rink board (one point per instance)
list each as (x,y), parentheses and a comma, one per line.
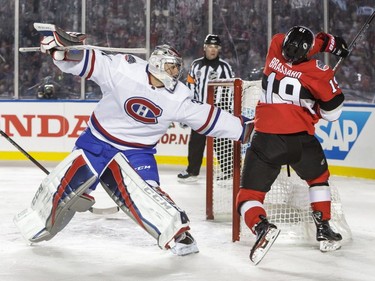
(48,130)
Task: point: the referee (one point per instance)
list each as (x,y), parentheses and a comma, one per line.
(208,67)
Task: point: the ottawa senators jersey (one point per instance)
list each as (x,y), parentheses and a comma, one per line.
(295,96)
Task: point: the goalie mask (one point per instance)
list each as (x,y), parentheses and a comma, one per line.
(162,58)
(297,43)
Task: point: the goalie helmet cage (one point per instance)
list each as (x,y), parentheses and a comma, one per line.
(287,204)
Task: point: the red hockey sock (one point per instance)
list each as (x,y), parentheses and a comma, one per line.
(324,207)
(252,216)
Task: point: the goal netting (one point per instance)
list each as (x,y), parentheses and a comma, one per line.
(287,204)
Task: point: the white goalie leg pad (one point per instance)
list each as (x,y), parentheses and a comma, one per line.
(148,206)
(58,197)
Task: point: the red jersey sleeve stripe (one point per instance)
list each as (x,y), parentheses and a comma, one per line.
(92,65)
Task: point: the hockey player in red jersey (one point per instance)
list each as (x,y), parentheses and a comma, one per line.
(297,91)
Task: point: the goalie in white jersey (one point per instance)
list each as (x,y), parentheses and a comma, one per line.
(140,100)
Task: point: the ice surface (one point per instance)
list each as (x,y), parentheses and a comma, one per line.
(112,247)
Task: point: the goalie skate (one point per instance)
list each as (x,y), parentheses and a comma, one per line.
(185,245)
(266,236)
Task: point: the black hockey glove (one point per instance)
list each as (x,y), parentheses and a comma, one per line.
(333,44)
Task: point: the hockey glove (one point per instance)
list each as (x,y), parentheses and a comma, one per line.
(248,128)
(333,44)
(50,44)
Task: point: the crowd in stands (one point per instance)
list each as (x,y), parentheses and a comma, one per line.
(242,26)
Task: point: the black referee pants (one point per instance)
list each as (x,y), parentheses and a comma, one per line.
(223,149)
(196,146)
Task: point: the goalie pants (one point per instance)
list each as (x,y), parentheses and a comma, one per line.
(99,153)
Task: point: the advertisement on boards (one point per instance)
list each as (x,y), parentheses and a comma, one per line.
(51,128)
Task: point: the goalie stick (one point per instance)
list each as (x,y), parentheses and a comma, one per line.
(358,37)
(48,29)
(98,211)
(85,47)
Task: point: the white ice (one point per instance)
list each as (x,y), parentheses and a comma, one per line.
(104,248)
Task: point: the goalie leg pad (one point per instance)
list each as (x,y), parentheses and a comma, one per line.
(148,206)
(57,199)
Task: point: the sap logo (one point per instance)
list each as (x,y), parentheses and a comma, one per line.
(337,138)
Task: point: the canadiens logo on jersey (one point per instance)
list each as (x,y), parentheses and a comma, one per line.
(142,110)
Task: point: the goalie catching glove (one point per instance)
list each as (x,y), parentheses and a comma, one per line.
(333,44)
(55,38)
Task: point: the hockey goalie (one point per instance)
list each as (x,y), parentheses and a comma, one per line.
(140,100)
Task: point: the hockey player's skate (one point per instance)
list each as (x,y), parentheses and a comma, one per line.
(186,177)
(329,240)
(266,235)
(184,245)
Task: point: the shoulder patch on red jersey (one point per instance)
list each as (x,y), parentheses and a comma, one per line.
(321,65)
(129,58)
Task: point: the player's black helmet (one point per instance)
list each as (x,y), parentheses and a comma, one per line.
(297,43)
(212,39)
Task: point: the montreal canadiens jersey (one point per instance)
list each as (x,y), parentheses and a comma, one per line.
(134,114)
(295,96)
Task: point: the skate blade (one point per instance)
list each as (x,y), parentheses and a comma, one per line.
(257,256)
(329,246)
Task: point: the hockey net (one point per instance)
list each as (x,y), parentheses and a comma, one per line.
(287,204)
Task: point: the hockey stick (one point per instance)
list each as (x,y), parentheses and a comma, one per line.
(99,211)
(357,38)
(32,159)
(85,47)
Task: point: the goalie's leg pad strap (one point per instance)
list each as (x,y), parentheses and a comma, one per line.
(148,206)
(57,199)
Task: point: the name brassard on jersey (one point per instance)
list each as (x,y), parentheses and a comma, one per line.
(280,67)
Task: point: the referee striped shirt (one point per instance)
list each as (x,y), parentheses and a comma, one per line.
(202,70)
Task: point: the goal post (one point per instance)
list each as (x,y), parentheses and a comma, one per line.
(231,90)
(287,203)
